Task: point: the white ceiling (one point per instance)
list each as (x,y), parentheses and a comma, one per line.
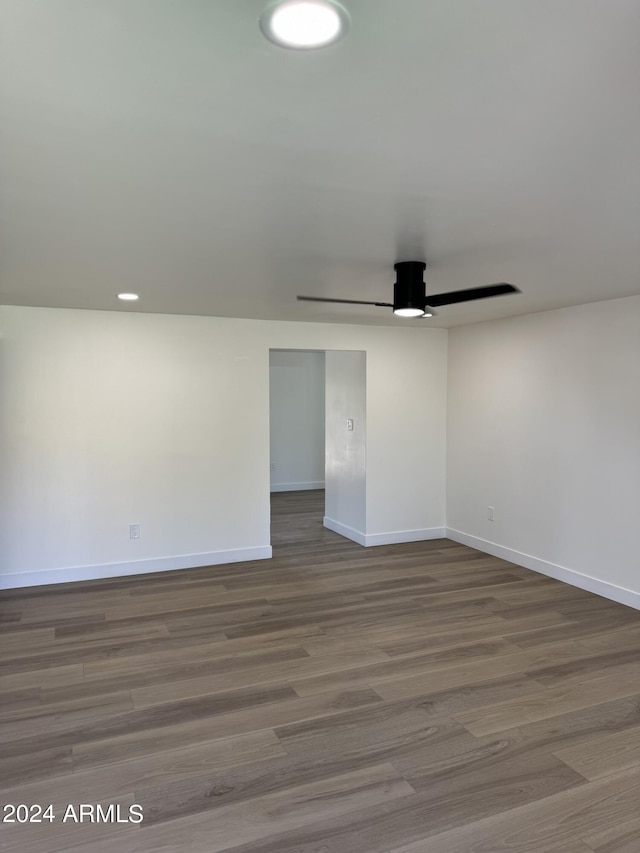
(165,147)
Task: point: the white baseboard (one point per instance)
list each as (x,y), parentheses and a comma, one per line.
(343,530)
(297,487)
(607,590)
(392,538)
(398,536)
(135,567)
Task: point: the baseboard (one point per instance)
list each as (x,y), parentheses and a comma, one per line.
(398,536)
(297,487)
(607,590)
(392,538)
(343,530)
(135,567)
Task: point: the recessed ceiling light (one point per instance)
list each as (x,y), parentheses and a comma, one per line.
(128,297)
(304,24)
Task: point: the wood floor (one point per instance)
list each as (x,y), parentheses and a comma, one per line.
(419,698)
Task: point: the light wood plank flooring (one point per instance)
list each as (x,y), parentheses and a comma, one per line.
(419,698)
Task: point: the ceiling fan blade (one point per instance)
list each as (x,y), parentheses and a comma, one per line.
(346,301)
(438,299)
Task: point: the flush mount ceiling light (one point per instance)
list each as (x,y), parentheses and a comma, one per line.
(304,24)
(128,297)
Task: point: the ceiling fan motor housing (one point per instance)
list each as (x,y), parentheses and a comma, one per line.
(409,289)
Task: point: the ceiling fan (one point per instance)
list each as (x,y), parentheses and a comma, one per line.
(409,293)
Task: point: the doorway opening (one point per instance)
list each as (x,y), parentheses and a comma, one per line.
(317,445)
(297,444)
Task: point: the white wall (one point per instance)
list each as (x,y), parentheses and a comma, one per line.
(544,425)
(110,418)
(346,474)
(406,462)
(296,402)
(114,418)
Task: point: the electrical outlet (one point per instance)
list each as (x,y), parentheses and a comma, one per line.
(273,466)
(134,531)
(350,424)
(491,513)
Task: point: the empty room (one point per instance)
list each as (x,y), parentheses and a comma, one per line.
(320,426)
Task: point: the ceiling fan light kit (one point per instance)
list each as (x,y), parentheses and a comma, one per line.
(408,291)
(410,297)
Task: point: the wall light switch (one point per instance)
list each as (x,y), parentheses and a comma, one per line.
(134,531)
(350,424)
